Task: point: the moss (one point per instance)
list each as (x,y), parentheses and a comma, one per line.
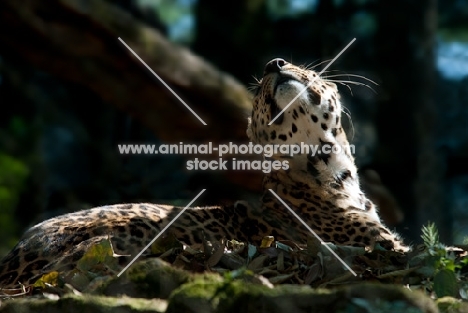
(237,296)
(88,303)
(151,278)
(451,305)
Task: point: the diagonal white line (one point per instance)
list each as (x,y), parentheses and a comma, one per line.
(160,233)
(313,233)
(163,82)
(312,81)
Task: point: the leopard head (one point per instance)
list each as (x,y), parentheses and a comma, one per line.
(293,105)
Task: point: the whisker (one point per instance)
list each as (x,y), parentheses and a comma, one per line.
(348,82)
(358,84)
(258,81)
(357,76)
(347,86)
(255,85)
(252,89)
(346,111)
(352,82)
(313,67)
(310,65)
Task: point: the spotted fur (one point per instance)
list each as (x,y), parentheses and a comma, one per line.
(323,189)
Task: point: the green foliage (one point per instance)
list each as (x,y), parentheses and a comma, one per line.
(287,8)
(13,175)
(98,261)
(453,34)
(444,264)
(430,236)
(99,257)
(18,127)
(51,279)
(176,15)
(445,283)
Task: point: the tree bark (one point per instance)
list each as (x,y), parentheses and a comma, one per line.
(78,41)
(407,121)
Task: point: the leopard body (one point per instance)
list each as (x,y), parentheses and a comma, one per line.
(323,189)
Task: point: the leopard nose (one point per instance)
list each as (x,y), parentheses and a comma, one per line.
(274,65)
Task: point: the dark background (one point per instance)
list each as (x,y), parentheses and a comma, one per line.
(70,93)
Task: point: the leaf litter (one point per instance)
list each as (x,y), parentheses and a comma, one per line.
(433,268)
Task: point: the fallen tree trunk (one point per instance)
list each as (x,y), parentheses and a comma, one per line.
(79,43)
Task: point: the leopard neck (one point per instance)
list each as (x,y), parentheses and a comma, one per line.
(329,178)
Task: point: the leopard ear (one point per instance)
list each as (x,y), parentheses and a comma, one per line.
(249,129)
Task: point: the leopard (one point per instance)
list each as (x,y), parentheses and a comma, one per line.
(291,105)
